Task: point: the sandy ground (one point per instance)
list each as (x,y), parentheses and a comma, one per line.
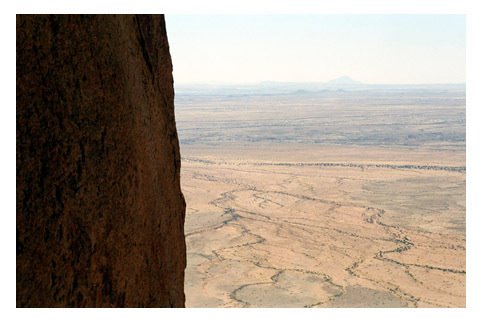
(345,227)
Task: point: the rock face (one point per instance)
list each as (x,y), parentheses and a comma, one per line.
(100,212)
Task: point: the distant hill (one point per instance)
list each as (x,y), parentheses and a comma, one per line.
(344,80)
(339,85)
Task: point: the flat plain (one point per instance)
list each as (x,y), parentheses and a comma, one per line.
(337,198)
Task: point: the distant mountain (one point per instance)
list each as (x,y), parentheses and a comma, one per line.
(344,80)
(340,85)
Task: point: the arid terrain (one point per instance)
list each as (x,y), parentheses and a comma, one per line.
(326,200)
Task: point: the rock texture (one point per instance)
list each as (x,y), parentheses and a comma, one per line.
(100,212)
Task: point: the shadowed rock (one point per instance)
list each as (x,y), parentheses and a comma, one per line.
(100,212)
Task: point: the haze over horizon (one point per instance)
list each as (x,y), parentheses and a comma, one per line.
(337,81)
(373,49)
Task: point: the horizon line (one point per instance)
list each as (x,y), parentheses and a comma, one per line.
(314,82)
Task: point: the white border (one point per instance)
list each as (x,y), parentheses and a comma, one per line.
(332,318)
(247,6)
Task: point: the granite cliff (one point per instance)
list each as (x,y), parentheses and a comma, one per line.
(100,212)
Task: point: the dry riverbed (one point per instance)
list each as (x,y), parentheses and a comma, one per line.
(324,226)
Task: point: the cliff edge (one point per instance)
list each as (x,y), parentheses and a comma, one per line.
(100,212)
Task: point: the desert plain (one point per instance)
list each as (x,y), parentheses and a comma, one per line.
(325,199)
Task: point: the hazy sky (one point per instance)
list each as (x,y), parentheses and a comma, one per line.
(368,48)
